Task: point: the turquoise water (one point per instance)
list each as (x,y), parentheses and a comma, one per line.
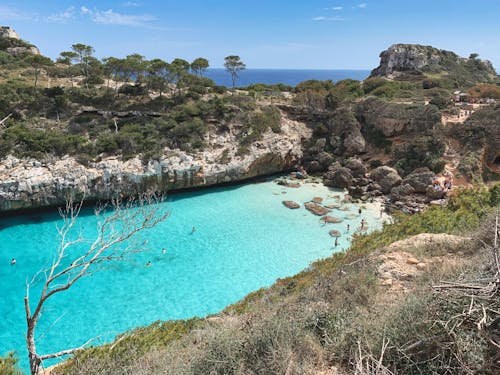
(244,240)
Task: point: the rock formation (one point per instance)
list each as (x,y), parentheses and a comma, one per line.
(14,45)
(402,59)
(29,183)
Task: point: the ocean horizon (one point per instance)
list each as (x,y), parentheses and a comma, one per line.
(289,77)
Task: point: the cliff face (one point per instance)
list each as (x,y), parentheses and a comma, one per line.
(29,183)
(403,58)
(11,42)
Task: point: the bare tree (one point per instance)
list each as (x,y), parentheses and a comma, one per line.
(115,230)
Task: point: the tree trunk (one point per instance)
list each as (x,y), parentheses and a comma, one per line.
(33,357)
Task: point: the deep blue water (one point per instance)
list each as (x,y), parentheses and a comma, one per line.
(286,76)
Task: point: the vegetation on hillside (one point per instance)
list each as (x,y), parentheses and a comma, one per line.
(324,317)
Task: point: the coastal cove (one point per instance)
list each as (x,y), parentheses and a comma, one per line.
(245,239)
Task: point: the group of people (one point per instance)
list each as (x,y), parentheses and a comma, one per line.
(446,186)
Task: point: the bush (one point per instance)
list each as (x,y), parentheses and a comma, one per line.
(425,151)
(8,365)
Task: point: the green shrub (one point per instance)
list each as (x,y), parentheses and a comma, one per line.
(8,365)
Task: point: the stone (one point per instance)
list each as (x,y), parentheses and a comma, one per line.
(291,204)
(387,282)
(403,189)
(421,266)
(386,177)
(317,199)
(335,233)
(419,179)
(338,177)
(412,261)
(316,209)
(434,193)
(332,206)
(354,143)
(331,220)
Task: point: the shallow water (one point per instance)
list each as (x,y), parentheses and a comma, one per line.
(244,240)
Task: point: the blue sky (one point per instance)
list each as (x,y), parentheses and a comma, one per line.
(311,34)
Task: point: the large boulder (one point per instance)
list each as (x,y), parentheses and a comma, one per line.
(403,189)
(354,143)
(338,176)
(435,192)
(386,177)
(316,209)
(358,169)
(419,179)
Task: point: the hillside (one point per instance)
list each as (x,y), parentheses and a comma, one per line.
(383,304)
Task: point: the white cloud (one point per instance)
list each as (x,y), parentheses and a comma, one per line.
(338,8)
(12,14)
(131,4)
(110,17)
(62,17)
(325,18)
(362,5)
(85,10)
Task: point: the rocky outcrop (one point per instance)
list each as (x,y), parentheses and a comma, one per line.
(13,44)
(8,32)
(401,59)
(338,176)
(386,177)
(419,179)
(346,138)
(29,183)
(315,157)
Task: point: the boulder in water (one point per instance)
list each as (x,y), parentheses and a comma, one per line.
(335,233)
(331,219)
(316,209)
(291,204)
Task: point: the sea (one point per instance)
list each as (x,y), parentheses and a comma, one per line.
(244,239)
(289,77)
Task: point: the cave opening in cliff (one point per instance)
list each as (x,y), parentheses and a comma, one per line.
(497,161)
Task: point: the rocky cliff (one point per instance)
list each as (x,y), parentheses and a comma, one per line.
(11,42)
(29,183)
(401,59)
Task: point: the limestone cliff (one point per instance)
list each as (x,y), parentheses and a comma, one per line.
(402,59)
(11,42)
(29,183)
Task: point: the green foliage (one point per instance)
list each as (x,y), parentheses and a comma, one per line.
(8,365)
(36,143)
(425,151)
(129,345)
(259,122)
(383,88)
(325,95)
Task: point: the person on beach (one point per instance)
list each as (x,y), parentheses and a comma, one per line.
(336,241)
(359,211)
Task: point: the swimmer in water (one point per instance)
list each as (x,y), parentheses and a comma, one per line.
(13,261)
(193,230)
